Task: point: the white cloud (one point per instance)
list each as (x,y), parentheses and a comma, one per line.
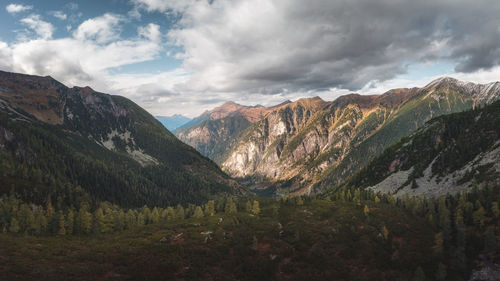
(42,28)
(272,46)
(87,57)
(5,56)
(165,5)
(16,8)
(151,32)
(72,6)
(59,14)
(103,29)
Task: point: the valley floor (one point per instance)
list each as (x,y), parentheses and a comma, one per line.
(319,240)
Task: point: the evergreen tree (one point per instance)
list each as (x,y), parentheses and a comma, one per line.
(70,222)
(441,272)
(438,243)
(61,223)
(366,211)
(385,232)
(84,220)
(141,220)
(99,223)
(49,210)
(130,219)
(171,213)
(14,226)
(479,216)
(248,206)
(299,201)
(256,207)
(495,209)
(490,241)
(210,208)
(198,212)
(155,216)
(419,274)
(179,212)
(146,212)
(444,219)
(230,206)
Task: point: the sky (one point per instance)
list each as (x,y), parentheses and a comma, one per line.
(187,56)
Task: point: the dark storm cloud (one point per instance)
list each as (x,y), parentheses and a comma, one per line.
(299,45)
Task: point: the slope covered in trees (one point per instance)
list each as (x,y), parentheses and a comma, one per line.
(337,236)
(75,145)
(450,153)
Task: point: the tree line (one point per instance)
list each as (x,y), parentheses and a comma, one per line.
(17,216)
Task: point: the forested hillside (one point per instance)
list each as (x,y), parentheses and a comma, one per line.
(74,145)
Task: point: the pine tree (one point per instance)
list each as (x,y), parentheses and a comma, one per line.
(419,274)
(366,211)
(299,201)
(130,219)
(141,221)
(171,213)
(256,208)
(248,206)
(84,220)
(479,216)
(459,256)
(230,207)
(61,224)
(198,212)
(385,232)
(14,226)
(441,272)
(438,243)
(179,212)
(146,212)
(210,208)
(495,209)
(444,219)
(490,241)
(70,222)
(99,224)
(155,215)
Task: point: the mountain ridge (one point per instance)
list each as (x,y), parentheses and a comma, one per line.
(321,146)
(106,144)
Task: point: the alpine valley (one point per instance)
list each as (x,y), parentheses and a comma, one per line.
(398,186)
(306,146)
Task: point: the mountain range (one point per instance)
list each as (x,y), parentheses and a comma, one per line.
(173,122)
(60,143)
(309,145)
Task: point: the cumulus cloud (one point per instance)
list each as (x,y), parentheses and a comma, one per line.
(87,57)
(5,56)
(268,47)
(165,5)
(17,8)
(151,32)
(58,14)
(42,29)
(103,29)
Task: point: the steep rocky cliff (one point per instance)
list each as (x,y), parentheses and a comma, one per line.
(309,145)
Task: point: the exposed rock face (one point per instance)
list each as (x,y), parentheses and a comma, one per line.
(312,144)
(303,139)
(449,154)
